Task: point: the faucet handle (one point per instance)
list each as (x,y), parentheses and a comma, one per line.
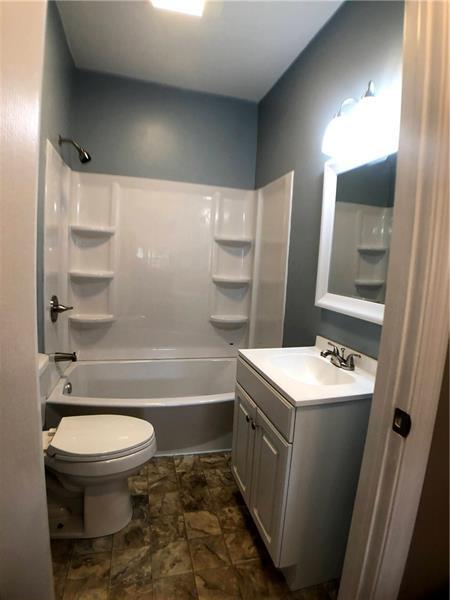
(335,348)
(350,361)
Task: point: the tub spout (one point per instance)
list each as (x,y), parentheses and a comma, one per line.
(64,356)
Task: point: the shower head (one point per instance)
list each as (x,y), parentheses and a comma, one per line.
(83,155)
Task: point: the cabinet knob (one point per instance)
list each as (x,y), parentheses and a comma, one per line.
(253,425)
(247,418)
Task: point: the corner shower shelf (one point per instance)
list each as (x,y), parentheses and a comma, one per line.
(92,230)
(369,282)
(75,274)
(233,240)
(228,321)
(230,280)
(368,249)
(86,319)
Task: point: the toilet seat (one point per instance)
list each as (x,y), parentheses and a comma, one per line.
(96,438)
(106,467)
(92,446)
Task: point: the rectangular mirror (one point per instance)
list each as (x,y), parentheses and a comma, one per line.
(355,236)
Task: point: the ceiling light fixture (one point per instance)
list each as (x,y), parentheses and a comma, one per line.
(188,7)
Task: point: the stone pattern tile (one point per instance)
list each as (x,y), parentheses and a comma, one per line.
(191,538)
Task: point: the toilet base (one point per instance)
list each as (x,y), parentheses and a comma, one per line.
(107,508)
(89,499)
(95,511)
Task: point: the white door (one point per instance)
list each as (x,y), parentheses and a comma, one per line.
(243,440)
(24,540)
(271,465)
(415,330)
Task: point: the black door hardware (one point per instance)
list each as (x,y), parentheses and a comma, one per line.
(401,423)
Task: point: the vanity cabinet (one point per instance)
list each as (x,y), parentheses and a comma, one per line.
(260,465)
(244,428)
(270,470)
(297,469)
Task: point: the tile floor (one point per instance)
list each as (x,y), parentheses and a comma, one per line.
(191,538)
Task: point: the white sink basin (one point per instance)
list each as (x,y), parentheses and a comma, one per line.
(303,376)
(310,370)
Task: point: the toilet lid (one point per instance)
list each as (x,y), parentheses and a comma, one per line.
(99,437)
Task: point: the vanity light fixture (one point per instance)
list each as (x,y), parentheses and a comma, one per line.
(336,129)
(194,8)
(362,129)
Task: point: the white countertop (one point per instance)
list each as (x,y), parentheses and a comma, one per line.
(299,374)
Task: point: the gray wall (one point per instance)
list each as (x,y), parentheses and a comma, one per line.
(55,119)
(57,86)
(139,129)
(148,130)
(362,41)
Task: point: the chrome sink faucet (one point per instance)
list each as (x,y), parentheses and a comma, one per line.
(338,358)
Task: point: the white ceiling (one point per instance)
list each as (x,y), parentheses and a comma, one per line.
(238,48)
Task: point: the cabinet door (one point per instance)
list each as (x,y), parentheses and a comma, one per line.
(243,441)
(271,465)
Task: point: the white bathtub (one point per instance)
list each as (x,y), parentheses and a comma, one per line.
(188,401)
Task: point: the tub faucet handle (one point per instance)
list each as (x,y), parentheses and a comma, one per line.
(56,308)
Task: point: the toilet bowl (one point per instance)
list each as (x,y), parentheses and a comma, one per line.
(88,460)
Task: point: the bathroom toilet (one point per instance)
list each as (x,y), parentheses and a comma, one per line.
(88,460)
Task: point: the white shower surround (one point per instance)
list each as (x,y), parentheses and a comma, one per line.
(162,269)
(165,277)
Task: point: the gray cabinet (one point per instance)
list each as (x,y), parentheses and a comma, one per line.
(297,468)
(272,455)
(260,464)
(243,441)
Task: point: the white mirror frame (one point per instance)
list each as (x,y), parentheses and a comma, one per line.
(354,307)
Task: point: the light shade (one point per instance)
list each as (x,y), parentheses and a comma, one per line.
(367,130)
(334,133)
(188,7)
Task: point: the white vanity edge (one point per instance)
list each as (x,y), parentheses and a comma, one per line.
(365,367)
